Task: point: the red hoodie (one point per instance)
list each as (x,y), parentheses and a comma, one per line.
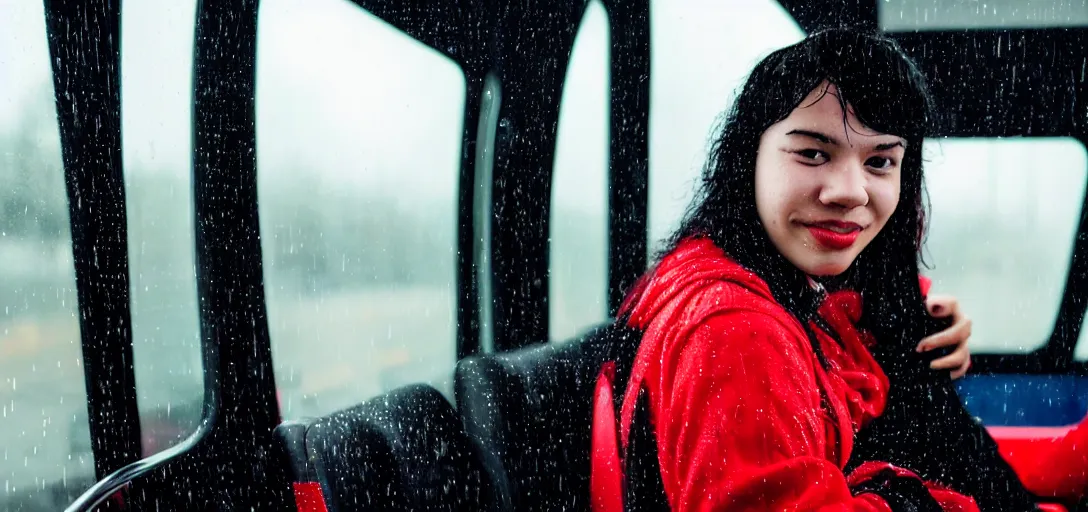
(735,392)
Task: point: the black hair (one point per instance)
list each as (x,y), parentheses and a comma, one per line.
(888,94)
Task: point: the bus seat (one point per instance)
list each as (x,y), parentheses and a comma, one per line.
(643,484)
(291,441)
(530,409)
(291,437)
(404,451)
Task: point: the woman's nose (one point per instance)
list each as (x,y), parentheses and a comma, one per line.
(844,186)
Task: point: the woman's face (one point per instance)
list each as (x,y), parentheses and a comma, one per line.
(825,188)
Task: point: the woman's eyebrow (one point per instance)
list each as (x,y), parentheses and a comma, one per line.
(890,145)
(827,139)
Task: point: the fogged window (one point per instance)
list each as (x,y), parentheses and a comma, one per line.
(358,141)
(904,15)
(156,110)
(1003,218)
(579,213)
(702,50)
(45,454)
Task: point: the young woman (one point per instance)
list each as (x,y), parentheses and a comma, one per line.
(779,330)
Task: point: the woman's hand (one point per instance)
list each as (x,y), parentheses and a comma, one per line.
(943,306)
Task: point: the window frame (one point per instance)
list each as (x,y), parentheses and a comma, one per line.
(86,73)
(1058,322)
(979,60)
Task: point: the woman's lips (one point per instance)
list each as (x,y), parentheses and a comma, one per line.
(834,235)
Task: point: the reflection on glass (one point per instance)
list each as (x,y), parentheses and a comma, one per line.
(579,224)
(156,90)
(358,137)
(45,456)
(1004,214)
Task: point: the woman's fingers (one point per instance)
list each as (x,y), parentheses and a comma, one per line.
(962,369)
(941,306)
(957,360)
(957,334)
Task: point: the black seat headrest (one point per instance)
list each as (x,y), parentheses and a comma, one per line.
(291,440)
(404,451)
(531,410)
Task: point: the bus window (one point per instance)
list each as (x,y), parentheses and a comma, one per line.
(45,456)
(913,15)
(701,52)
(579,218)
(358,144)
(1003,216)
(156,117)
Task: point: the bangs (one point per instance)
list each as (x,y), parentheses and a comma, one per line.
(886,91)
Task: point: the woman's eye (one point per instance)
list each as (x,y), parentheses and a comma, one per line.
(812,156)
(880,163)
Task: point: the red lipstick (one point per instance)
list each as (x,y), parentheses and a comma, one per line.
(834,235)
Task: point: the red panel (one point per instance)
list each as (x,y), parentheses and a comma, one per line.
(1020,444)
(1015,433)
(309,498)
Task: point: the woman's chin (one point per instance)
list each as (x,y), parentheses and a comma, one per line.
(826,267)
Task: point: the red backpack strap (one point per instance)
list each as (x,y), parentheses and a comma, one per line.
(606,469)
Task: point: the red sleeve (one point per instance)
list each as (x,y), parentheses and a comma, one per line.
(739,422)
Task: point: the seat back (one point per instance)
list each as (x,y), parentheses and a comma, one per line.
(645,491)
(404,451)
(291,442)
(531,410)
